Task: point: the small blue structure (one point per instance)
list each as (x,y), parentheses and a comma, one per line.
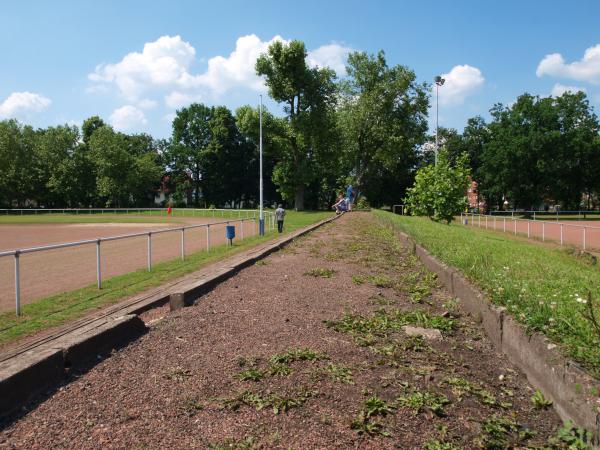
(230,233)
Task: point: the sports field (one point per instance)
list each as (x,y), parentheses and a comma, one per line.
(60,270)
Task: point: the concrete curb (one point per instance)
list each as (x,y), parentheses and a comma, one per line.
(569,387)
(40,365)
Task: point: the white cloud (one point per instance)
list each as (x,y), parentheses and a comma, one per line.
(163,62)
(20,103)
(333,56)
(461,82)
(586,69)
(560,89)
(127,117)
(235,70)
(162,69)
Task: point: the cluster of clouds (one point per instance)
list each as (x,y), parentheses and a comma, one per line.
(587,69)
(164,68)
(162,73)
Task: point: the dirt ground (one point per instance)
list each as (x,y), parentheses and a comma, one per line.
(572,231)
(305,349)
(61,270)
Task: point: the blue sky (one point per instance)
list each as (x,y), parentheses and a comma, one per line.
(134,62)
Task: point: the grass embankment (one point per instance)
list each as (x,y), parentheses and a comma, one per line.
(545,289)
(61,308)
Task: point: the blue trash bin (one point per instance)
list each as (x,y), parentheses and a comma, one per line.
(230,233)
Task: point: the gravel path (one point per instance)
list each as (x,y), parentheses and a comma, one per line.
(303,350)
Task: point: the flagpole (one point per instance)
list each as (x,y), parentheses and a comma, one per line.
(261,226)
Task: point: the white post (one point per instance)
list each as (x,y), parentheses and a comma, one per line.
(183,244)
(561,234)
(261,225)
(504,225)
(17,284)
(486,222)
(208,238)
(584,237)
(494,223)
(543,232)
(149,251)
(242,229)
(515,225)
(528,224)
(98,265)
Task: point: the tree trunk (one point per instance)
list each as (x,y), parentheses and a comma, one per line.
(299,200)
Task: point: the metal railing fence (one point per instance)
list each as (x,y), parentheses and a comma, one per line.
(176,212)
(563,233)
(554,215)
(252,216)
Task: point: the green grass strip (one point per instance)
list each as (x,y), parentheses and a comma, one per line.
(61,308)
(543,288)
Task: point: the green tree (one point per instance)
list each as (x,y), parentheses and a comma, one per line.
(383,121)
(89,126)
(308,95)
(440,190)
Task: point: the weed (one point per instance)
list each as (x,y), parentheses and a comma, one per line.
(539,401)
(340,373)
(320,272)
(380,281)
(297,354)
(434,444)
(424,401)
(451,304)
(246,444)
(279,403)
(262,262)
(373,406)
(358,279)
(502,432)
(251,375)
(569,437)
(279,370)
(178,374)
(460,387)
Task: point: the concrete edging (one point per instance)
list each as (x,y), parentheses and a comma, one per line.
(42,366)
(561,380)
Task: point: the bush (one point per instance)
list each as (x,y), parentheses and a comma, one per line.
(440,190)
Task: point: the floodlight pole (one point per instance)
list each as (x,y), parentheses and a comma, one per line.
(261,216)
(439,81)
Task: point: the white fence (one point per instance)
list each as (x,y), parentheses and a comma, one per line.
(243,216)
(398,209)
(549,215)
(586,237)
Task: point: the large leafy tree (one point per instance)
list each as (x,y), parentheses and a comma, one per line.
(308,95)
(540,150)
(383,119)
(18,180)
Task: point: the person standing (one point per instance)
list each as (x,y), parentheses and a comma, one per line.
(280,215)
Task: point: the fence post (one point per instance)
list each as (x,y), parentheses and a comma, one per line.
(528,224)
(543,231)
(208,238)
(149,251)
(183,244)
(561,234)
(494,223)
(534,215)
(98,266)
(515,225)
(479,220)
(254,227)
(584,229)
(504,225)
(486,222)
(17,283)
(242,229)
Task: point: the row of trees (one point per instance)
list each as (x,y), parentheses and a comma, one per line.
(365,129)
(368,129)
(538,151)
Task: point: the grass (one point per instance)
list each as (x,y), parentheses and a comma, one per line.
(545,289)
(61,308)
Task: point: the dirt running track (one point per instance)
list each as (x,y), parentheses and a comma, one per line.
(54,271)
(254,365)
(572,231)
